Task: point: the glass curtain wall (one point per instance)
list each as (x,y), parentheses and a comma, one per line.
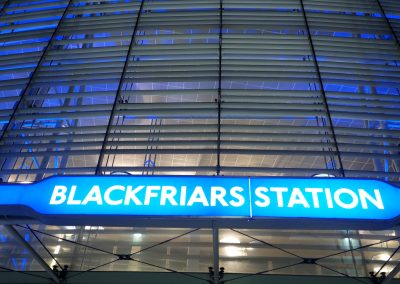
(200,87)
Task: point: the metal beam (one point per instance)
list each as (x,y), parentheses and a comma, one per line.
(117,277)
(392,274)
(14,233)
(219,99)
(215,232)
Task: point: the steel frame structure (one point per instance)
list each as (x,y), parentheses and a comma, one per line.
(201,87)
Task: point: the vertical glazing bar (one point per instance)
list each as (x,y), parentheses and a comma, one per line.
(215,232)
(396,162)
(25,91)
(4,7)
(321,85)
(219,91)
(388,23)
(117,96)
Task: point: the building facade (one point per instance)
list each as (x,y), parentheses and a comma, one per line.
(200,87)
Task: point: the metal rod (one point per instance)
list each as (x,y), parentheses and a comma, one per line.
(44,246)
(215,233)
(321,85)
(3,8)
(387,261)
(24,92)
(388,23)
(10,229)
(118,95)
(392,274)
(219,99)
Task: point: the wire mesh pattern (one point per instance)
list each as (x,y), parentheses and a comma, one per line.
(200,87)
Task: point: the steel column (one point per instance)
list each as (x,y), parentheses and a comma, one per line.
(215,233)
(219,99)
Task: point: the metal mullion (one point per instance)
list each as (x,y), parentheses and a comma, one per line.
(118,94)
(4,7)
(116,146)
(321,85)
(218,170)
(29,84)
(389,24)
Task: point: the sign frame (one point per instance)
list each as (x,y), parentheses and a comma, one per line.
(13,214)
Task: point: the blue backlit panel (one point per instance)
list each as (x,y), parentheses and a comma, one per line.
(125,200)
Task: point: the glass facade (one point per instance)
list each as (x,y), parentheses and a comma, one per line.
(200,87)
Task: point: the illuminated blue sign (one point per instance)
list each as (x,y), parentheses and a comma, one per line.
(92,199)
